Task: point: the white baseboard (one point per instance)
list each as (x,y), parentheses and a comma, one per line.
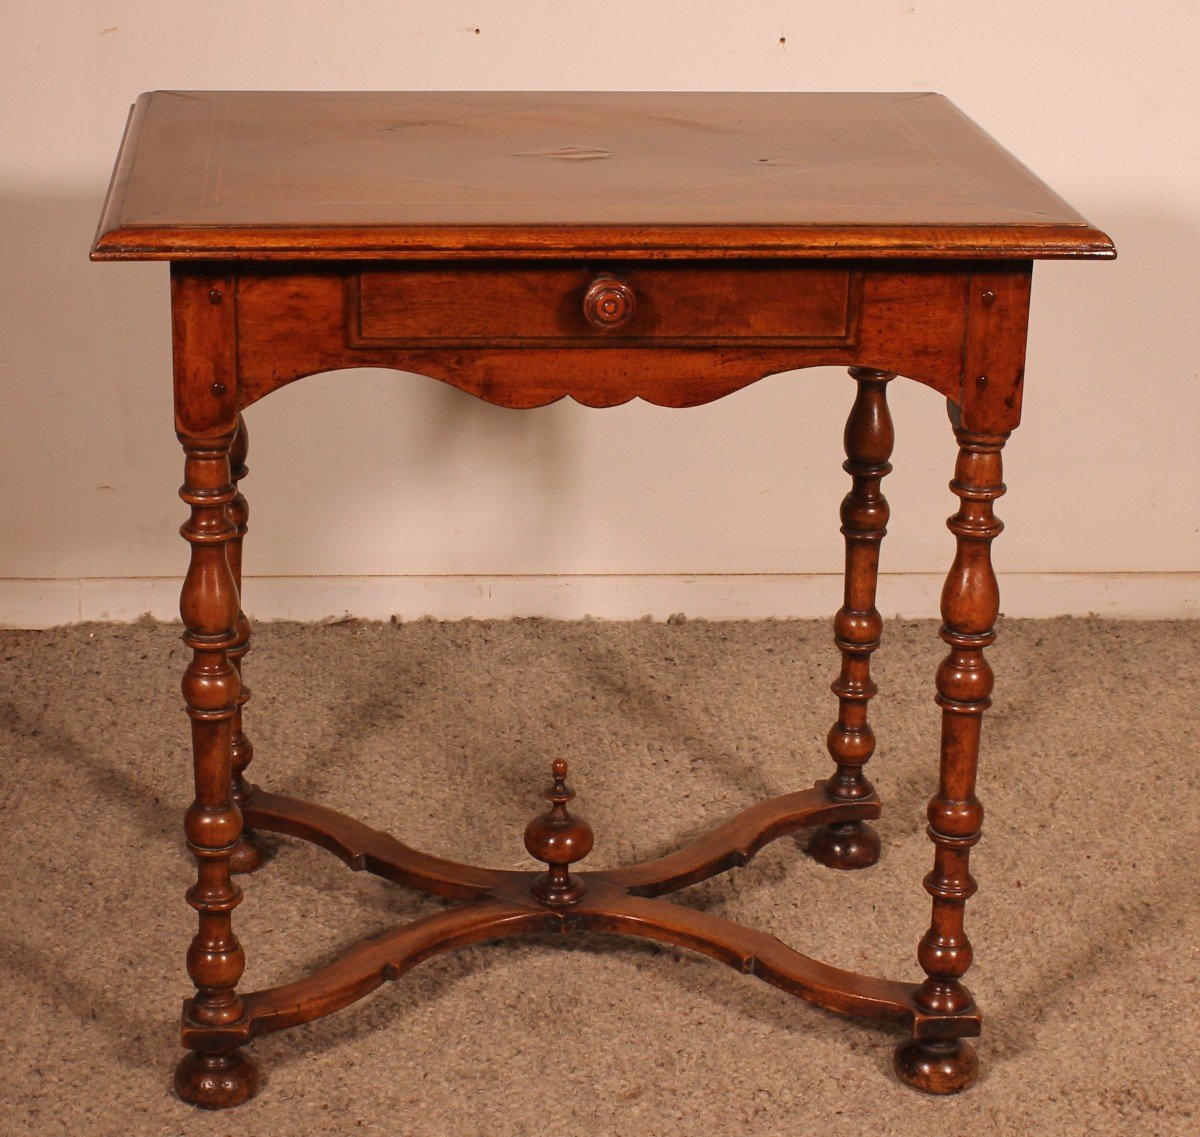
(26,603)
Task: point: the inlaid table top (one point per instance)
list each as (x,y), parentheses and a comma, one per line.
(373,175)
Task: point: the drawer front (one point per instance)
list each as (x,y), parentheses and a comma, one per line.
(664,304)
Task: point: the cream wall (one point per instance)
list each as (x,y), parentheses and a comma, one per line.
(407,496)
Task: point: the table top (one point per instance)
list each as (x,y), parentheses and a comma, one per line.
(268,175)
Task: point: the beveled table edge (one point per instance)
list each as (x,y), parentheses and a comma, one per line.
(705,242)
(116,241)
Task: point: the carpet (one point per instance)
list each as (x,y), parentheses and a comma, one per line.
(1086,926)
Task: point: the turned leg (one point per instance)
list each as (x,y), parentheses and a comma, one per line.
(249,854)
(858,625)
(970,605)
(211,687)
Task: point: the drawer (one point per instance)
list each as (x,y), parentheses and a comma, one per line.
(679,304)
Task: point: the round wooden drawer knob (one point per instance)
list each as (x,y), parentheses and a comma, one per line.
(608,303)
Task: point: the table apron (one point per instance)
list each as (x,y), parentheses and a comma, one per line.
(516,333)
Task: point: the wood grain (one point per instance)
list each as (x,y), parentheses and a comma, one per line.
(601,247)
(735,841)
(908,318)
(368,850)
(857,627)
(970,606)
(674,305)
(374,175)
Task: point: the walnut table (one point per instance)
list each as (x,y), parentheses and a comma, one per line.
(524,247)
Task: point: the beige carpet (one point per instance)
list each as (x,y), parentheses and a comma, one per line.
(1087,925)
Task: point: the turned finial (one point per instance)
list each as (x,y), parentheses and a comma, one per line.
(558,840)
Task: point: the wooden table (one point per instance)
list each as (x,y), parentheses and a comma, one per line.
(524,247)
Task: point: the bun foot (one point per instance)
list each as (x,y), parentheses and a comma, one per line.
(216,1081)
(249,854)
(936,1066)
(847,845)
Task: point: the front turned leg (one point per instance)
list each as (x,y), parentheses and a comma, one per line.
(249,854)
(970,605)
(857,627)
(208,605)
